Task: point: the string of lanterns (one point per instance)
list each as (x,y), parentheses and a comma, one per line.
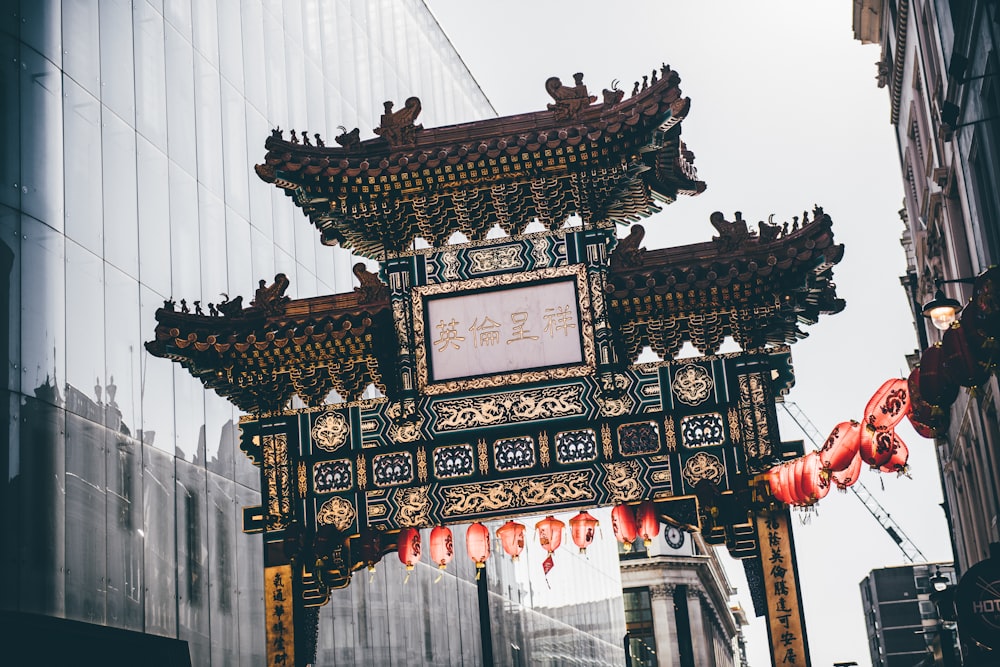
(627,524)
(965,357)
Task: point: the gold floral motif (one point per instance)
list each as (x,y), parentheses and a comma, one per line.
(734,425)
(484,459)
(330,431)
(303,480)
(503,379)
(606,443)
(543,449)
(539,251)
(422,464)
(623,481)
(362,472)
(692,384)
(703,466)
(517,493)
(337,512)
(376,511)
(509,407)
(414,506)
(498,258)
(668,433)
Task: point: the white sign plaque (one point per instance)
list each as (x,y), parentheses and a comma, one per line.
(504,330)
(510,328)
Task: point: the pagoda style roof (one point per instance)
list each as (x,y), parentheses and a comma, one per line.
(757,285)
(612,160)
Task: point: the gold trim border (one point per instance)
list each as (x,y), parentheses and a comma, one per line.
(578,271)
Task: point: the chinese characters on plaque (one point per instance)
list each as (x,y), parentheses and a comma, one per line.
(503,331)
(784,615)
(278,604)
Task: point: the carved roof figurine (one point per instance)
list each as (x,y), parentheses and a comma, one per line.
(271,299)
(569,101)
(608,163)
(371,289)
(397,127)
(628,253)
(731,234)
(348,140)
(613,96)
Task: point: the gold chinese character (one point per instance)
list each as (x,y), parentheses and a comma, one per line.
(488,332)
(449,335)
(558,319)
(520,319)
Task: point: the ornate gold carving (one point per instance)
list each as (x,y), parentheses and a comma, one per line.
(376,511)
(484,459)
(517,493)
(414,506)
(362,472)
(660,476)
(278,627)
(623,481)
(277,474)
(498,258)
(330,431)
(606,443)
(337,512)
(668,433)
(422,464)
(734,425)
(543,449)
(703,466)
(509,407)
(578,271)
(692,384)
(403,431)
(303,479)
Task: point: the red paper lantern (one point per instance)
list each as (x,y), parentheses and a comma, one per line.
(369,547)
(511,536)
(477,544)
(981,318)
(841,446)
(648,522)
(961,363)
(623,525)
(549,532)
(876,447)
(815,485)
(900,455)
(800,479)
(582,527)
(888,405)
(442,546)
(848,476)
(408,547)
(775,479)
(935,386)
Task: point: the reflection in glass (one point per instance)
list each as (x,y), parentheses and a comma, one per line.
(82,150)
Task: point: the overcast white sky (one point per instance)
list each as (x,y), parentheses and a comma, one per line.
(785,114)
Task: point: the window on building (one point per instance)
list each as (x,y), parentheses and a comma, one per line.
(639,624)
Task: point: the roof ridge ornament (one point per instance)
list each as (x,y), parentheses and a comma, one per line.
(570,101)
(397,127)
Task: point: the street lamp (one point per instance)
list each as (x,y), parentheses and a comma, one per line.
(939,581)
(941,310)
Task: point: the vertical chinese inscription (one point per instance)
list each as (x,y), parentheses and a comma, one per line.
(784,608)
(279,630)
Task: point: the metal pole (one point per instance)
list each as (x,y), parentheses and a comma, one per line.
(485,635)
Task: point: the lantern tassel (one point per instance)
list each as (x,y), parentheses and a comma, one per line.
(477,573)
(439,576)
(407,579)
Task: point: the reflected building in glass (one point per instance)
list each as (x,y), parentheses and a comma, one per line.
(131,131)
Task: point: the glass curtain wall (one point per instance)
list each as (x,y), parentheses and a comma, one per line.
(126,179)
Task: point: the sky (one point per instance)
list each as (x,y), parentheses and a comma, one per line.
(785,114)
